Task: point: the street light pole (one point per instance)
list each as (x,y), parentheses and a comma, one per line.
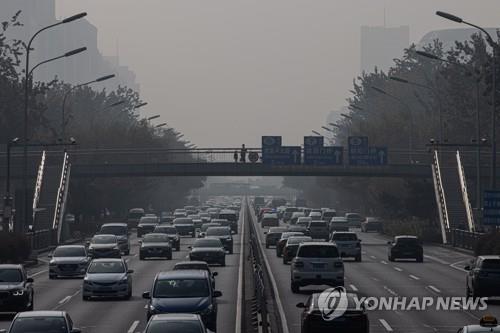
(494,46)
(8,200)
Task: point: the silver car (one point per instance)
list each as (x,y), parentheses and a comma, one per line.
(104,246)
(107,278)
(348,244)
(42,321)
(68,261)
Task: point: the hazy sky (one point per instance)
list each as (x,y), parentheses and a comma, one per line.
(225,72)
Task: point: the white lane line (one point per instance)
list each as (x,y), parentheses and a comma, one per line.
(65,299)
(383,262)
(398,269)
(386,325)
(353,287)
(435,289)
(363,252)
(38,273)
(239,297)
(441,261)
(145,306)
(373,257)
(454,265)
(390,291)
(133,326)
(414,277)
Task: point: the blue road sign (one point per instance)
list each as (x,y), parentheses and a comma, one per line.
(271,141)
(491,207)
(378,155)
(358,150)
(315,153)
(314,141)
(288,155)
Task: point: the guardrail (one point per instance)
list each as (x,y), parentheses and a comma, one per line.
(464,239)
(42,239)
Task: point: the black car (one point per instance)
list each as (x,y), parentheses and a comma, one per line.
(145,228)
(405,247)
(280,245)
(209,250)
(185,226)
(354,319)
(68,261)
(184,291)
(42,321)
(176,322)
(483,276)
(16,289)
(223,234)
(155,245)
(104,246)
(291,247)
(202,265)
(172,234)
(371,224)
(273,235)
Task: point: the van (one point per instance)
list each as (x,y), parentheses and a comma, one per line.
(231,216)
(318,230)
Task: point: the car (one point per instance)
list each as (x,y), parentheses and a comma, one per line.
(348,244)
(273,235)
(222,222)
(68,261)
(315,214)
(232,216)
(291,246)
(282,241)
(155,245)
(328,214)
(210,250)
(205,217)
(166,218)
(185,226)
(303,221)
(172,234)
(287,214)
(224,235)
(134,215)
(262,211)
(354,219)
(270,220)
(42,321)
(371,224)
(120,230)
(338,224)
(175,322)
(146,225)
(296,216)
(202,265)
(107,278)
(405,247)
(190,210)
(483,276)
(318,230)
(184,291)
(487,323)
(354,319)
(299,228)
(16,289)
(204,228)
(104,246)
(316,263)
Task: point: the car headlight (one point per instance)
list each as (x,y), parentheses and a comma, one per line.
(124,280)
(207,310)
(116,248)
(152,308)
(19,292)
(52,264)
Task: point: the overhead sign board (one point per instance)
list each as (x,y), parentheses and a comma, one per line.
(314,141)
(491,207)
(285,155)
(378,155)
(316,153)
(271,141)
(360,153)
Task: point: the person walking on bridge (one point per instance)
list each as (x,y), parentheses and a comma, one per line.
(235,156)
(243,154)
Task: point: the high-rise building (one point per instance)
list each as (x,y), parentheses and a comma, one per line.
(380,45)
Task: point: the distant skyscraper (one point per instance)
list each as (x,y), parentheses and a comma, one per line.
(380,45)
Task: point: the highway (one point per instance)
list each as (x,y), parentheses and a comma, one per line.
(441,274)
(104,316)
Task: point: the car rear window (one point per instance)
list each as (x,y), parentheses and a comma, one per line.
(407,241)
(318,251)
(184,326)
(113,230)
(491,264)
(317,224)
(166,230)
(183,221)
(344,237)
(155,238)
(181,288)
(218,231)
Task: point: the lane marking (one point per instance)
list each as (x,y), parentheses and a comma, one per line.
(38,273)
(414,277)
(239,297)
(454,265)
(435,289)
(398,269)
(441,261)
(390,291)
(384,262)
(353,287)
(145,306)
(65,299)
(386,325)
(133,326)
(373,257)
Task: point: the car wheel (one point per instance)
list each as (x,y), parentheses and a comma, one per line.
(129,295)
(178,248)
(278,253)
(285,261)
(267,246)
(358,258)
(223,263)
(141,257)
(32,304)
(390,258)
(420,259)
(127,252)
(295,287)
(85,298)
(169,257)
(52,276)
(231,251)
(193,235)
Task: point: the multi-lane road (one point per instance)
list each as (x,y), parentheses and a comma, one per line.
(441,274)
(104,316)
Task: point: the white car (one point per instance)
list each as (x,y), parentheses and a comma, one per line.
(316,263)
(348,244)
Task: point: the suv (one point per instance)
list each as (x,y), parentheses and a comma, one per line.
(287,215)
(185,226)
(16,289)
(120,230)
(270,220)
(405,247)
(316,263)
(354,219)
(134,215)
(184,291)
(172,234)
(146,225)
(348,244)
(231,216)
(273,235)
(223,234)
(291,247)
(318,230)
(483,276)
(371,224)
(338,224)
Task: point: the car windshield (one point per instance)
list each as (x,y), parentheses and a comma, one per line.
(183,221)
(155,238)
(207,242)
(181,288)
(10,275)
(104,239)
(113,230)
(184,326)
(318,251)
(344,237)
(106,267)
(204,227)
(218,231)
(493,264)
(166,230)
(39,324)
(202,267)
(317,224)
(69,252)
